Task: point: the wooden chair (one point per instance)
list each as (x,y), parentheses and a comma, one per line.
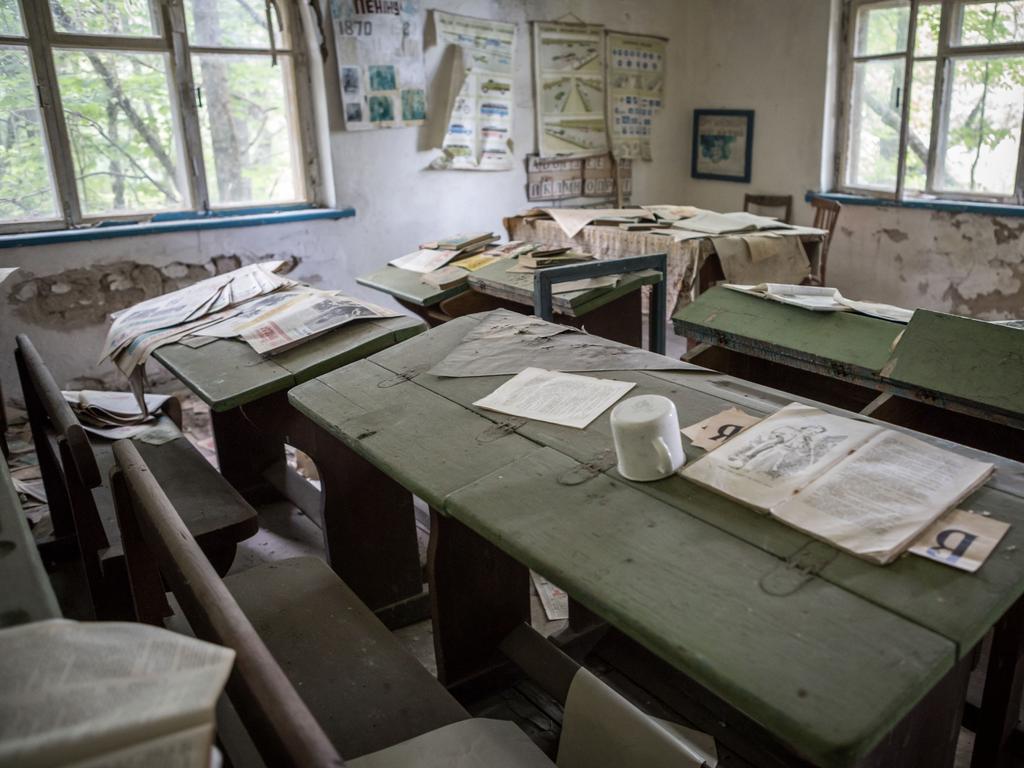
(316,672)
(74,469)
(826,214)
(770,201)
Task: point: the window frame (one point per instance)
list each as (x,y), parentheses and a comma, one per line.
(41,38)
(945,55)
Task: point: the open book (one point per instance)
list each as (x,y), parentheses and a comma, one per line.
(863,488)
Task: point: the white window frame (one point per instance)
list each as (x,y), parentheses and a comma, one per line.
(41,38)
(945,54)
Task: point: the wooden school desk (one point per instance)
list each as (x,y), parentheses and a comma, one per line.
(613,312)
(786,650)
(252,421)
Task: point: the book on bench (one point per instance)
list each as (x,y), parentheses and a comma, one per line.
(865,489)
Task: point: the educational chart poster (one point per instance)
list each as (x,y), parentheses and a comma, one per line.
(380,62)
(479,135)
(636,85)
(569,75)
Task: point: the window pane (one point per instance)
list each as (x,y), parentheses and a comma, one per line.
(983,125)
(10,18)
(983,23)
(919,128)
(926,38)
(105,17)
(229,24)
(247,127)
(26,189)
(875,124)
(882,28)
(121,126)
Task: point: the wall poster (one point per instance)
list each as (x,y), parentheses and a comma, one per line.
(380,62)
(636,81)
(479,134)
(570,78)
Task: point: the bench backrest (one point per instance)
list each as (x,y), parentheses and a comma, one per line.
(160,549)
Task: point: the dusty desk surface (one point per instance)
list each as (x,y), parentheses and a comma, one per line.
(26,594)
(825,651)
(227,373)
(404,284)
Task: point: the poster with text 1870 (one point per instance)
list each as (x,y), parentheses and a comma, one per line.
(380,62)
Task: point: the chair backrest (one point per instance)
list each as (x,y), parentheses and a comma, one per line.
(826,214)
(770,201)
(160,549)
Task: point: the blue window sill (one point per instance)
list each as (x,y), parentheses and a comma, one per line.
(950,206)
(183,221)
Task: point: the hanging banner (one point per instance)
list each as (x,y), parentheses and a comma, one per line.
(569,76)
(380,62)
(636,83)
(479,135)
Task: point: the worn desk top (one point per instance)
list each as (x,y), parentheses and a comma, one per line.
(227,373)
(824,650)
(495,280)
(26,594)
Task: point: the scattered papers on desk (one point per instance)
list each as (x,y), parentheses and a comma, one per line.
(473,263)
(117,416)
(505,342)
(110,694)
(512,249)
(463,242)
(960,539)
(424,260)
(573,220)
(719,429)
(585,284)
(711,223)
(822,299)
(867,490)
(672,213)
(557,398)
(445,277)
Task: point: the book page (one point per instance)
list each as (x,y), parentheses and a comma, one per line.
(76,692)
(558,398)
(765,465)
(883,496)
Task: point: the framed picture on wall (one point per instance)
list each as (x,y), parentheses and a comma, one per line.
(722,142)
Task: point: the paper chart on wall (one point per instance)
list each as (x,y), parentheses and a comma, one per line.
(380,62)
(636,82)
(479,134)
(569,75)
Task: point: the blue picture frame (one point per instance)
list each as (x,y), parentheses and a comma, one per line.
(717,135)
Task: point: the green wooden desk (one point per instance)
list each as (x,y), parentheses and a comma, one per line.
(26,594)
(252,420)
(949,376)
(613,313)
(811,656)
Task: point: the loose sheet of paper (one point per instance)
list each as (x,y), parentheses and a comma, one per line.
(424,260)
(960,539)
(557,398)
(719,429)
(554,600)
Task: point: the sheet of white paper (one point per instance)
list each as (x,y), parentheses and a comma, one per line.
(557,398)
(6,272)
(554,600)
(424,260)
(960,539)
(572,220)
(586,284)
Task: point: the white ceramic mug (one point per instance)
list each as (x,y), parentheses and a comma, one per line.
(647,440)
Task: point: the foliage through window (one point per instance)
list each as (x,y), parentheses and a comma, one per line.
(935,99)
(105,113)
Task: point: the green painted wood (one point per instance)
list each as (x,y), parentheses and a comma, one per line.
(26,594)
(430,445)
(957,357)
(227,373)
(496,280)
(406,285)
(825,671)
(833,343)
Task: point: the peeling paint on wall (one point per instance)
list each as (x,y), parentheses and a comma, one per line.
(87,295)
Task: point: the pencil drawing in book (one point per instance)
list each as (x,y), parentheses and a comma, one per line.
(784,452)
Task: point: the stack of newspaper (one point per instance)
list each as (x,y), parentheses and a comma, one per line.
(434,255)
(114,415)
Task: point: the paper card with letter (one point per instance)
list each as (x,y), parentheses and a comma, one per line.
(479,134)
(719,429)
(636,84)
(380,62)
(867,490)
(960,539)
(569,76)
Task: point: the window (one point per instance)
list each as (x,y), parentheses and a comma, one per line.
(935,99)
(116,109)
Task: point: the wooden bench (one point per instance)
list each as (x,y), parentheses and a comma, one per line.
(85,526)
(316,672)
